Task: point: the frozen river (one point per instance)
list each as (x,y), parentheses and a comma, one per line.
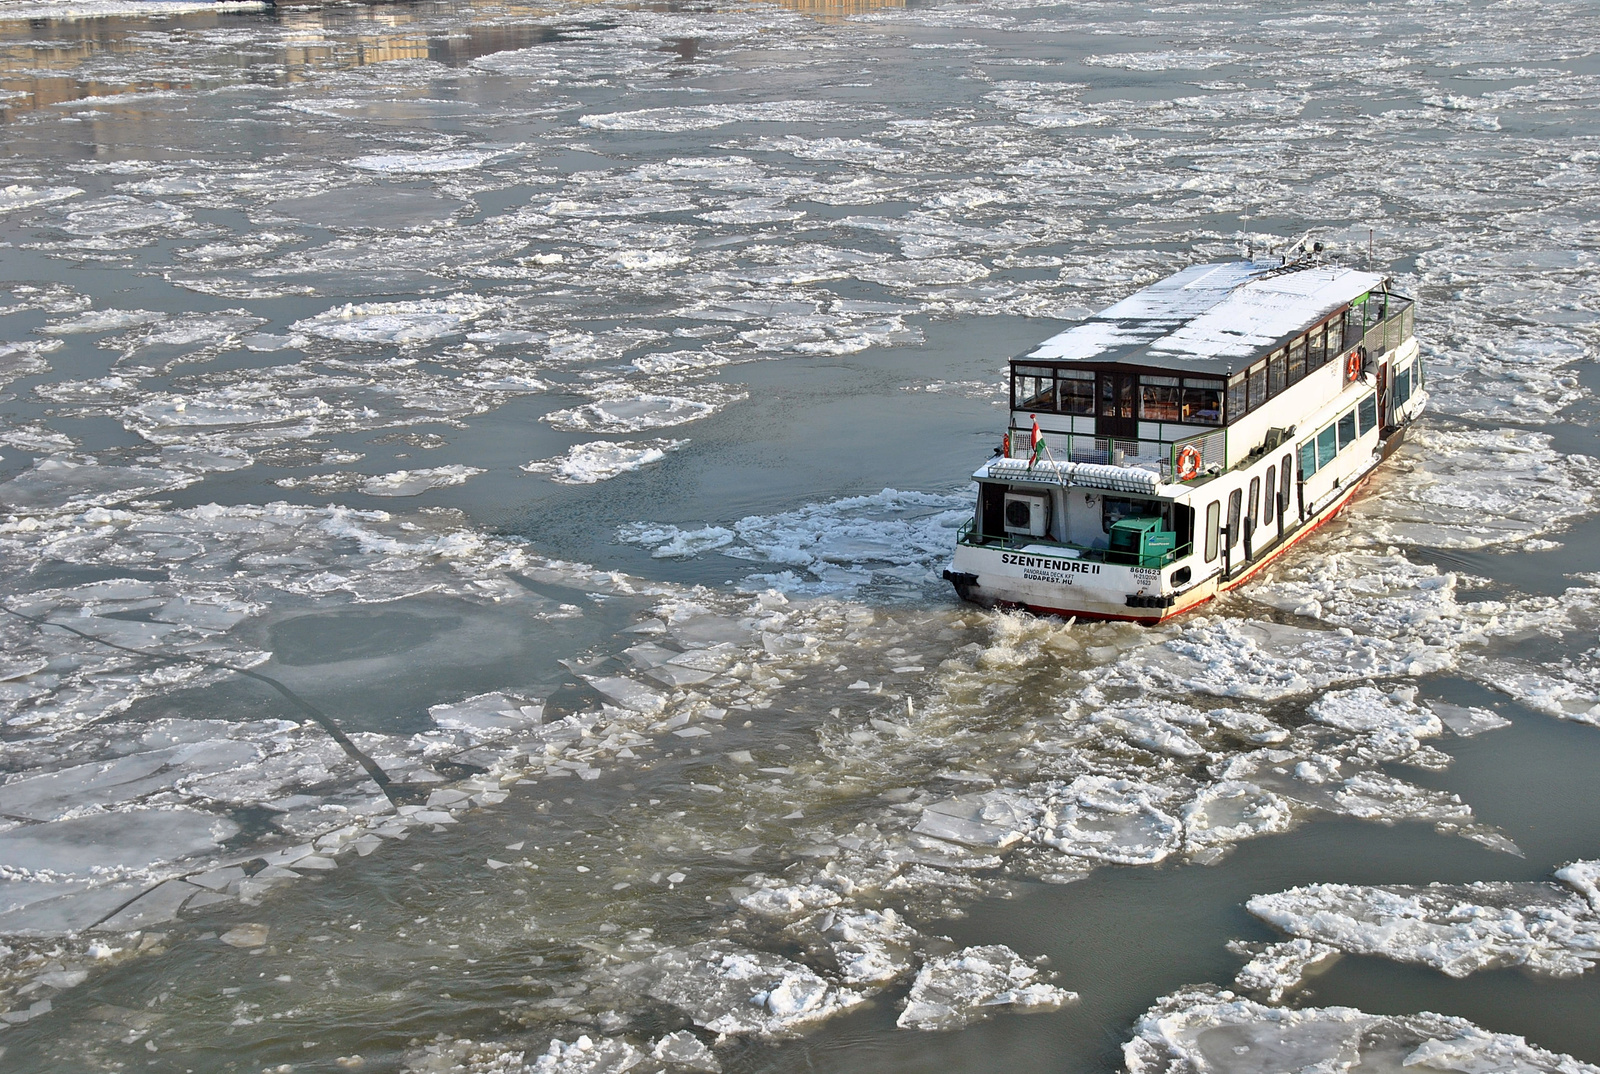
(473,485)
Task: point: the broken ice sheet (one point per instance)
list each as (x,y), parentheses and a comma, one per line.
(601,460)
(1458,929)
(953,991)
(1205,1028)
(741,992)
(1277,969)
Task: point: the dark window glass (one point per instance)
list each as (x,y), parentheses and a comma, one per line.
(1368,411)
(1253,516)
(1402,386)
(1347,429)
(1270,506)
(1275,373)
(1327,446)
(1213,520)
(1075,393)
(1236,407)
(1234,499)
(1287,474)
(1202,402)
(1258,385)
(1308,458)
(1317,349)
(1161,399)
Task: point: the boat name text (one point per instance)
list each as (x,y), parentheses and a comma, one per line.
(1070,565)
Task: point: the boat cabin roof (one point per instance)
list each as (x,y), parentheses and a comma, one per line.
(1210,318)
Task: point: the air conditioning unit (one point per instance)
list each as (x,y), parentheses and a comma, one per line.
(1028,512)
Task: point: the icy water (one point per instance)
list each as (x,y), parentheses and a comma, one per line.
(474,483)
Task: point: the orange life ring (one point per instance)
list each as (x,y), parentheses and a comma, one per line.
(1352,366)
(1188,463)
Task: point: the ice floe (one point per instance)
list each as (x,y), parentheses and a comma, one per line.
(952,991)
(601,460)
(1213,1030)
(742,992)
(1458,929)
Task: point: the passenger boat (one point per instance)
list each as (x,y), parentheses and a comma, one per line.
(1167,448)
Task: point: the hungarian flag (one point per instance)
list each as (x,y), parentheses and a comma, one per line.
(1037,445)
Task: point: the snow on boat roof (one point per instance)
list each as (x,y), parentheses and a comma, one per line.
(1210,318)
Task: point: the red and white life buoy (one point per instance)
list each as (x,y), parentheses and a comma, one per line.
(1188,463)
(1352,366)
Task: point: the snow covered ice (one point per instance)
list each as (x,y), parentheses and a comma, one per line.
(1458,929)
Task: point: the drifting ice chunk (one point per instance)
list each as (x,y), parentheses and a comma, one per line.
(1114,820)
(997,819)
(586,464)
(746,993)
(486,714)
(1584,878)
(587,1056)
(1458,929)
(955,990)
(790,901)
(1467,721)
(627,693)
(1232,811)
(416,482)
(872,947)
(1283,967)
(685,1051)
(1205,1029)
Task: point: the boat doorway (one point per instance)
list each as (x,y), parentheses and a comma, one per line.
(1118,413)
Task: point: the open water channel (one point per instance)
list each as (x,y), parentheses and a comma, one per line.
(474,482)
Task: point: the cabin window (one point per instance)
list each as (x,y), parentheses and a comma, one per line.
(1162,398)
(1367,411)
(1354,318)
(1286,473)
(1254,514)
(1296,365)
(1308,458)
(1402,385)
(1275,373)
(1258,385)
(1075,391)
(1213,519)
(1271,503)
(1335,336)
(1234,499)
(1202,401)
(1297,357)
(1327,446)
(1347,429)
(1033,388)
(1317,349)
(1236,407)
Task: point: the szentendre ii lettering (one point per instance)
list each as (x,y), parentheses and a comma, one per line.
(1051,564)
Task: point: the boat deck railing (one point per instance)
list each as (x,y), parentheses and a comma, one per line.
(969,535)
(1165,457)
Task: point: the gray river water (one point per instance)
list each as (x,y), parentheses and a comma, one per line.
(473,485)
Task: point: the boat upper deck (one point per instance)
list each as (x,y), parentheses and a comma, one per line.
(1210,319)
